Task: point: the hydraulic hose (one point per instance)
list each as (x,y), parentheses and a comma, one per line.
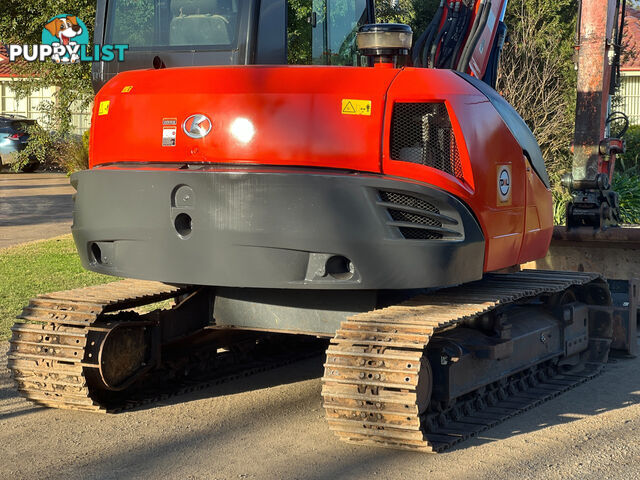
(419,54)
(622,15)
(436,43)
(427,44)
(457,51)
(447,47)
(615,76)
(474,27)
(467,6)
(476,36)
(417,47)
(462,30)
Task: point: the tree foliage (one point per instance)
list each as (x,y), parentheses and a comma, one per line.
(21,22)
(537,74)
(627,185)
(630,160)
(299,38)
(133,23)
(415,13)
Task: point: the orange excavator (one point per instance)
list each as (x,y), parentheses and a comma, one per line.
(379,193)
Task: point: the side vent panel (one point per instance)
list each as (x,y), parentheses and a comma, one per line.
(422,133)
(417,219)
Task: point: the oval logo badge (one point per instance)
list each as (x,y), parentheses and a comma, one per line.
(504,182)
(504,185)
(197,126)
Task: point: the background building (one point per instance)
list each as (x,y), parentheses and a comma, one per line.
(630,85)
(29,107)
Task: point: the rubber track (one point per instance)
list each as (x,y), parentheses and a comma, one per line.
(371,370)
(46,359)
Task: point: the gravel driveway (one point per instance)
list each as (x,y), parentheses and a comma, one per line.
(271,426)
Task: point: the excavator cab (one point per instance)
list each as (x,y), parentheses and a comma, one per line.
(179,33)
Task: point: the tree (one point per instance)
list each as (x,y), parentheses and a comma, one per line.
(415,13)
(537,74)
(21,22)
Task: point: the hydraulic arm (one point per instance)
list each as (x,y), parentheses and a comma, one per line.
(599,38)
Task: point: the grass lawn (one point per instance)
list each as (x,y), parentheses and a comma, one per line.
(39,267)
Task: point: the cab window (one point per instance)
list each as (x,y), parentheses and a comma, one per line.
(323,32)
(149,24)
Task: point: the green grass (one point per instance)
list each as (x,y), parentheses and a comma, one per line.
(39,267)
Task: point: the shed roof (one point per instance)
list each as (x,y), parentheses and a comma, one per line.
(632,38)
(5,66)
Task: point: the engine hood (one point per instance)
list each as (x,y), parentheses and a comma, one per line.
(286,115)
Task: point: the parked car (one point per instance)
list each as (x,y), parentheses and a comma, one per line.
(14,136)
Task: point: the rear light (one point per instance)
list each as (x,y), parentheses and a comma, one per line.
(17,136)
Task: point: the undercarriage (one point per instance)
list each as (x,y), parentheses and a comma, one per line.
(419,374)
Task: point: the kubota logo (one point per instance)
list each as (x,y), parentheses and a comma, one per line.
(197,126)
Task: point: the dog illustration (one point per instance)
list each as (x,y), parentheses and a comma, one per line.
(64,29)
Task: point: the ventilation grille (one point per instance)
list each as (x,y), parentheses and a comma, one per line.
(421,133)
(413,210)
(408,201)
(401,216)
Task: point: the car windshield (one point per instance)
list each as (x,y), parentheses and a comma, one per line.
(149,24)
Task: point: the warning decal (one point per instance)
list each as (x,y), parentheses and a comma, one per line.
(169,130)
(126,89)
(504,185)
(356,107)
(103,109)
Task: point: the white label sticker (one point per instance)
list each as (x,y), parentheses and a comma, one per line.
(169,136)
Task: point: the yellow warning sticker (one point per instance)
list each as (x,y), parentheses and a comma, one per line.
(356,107)
(103,109)
(126,89)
